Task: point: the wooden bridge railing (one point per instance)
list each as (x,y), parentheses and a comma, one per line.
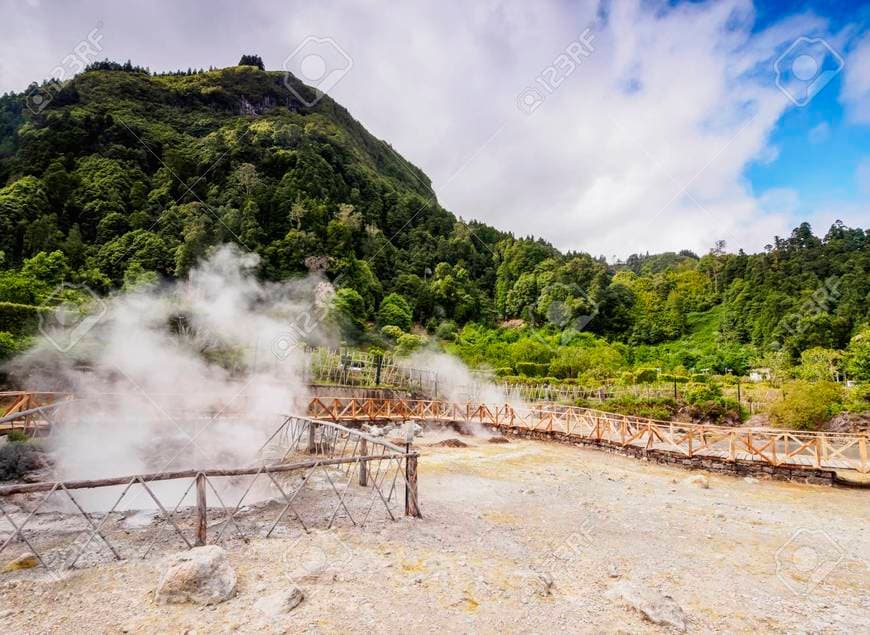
(775,447)
(27,410)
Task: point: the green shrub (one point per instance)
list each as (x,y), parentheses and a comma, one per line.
(446,330)
(671,378)
(651,408)
(19,319)
(699,378)
(409,343)
(715,411)
(807,405)
(628,378)
(532,369)
(349,312)
(698,393)
(392,332)
(858,398)
(646,375)
(10,345)
(396,311)
(504,373)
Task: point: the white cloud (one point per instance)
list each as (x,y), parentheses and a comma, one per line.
(854,213)
(820,133)
(856,83)
(642,148)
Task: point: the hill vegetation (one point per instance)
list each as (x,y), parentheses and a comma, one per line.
(126,176)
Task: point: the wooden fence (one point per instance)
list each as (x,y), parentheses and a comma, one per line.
(775,447)
(357,471)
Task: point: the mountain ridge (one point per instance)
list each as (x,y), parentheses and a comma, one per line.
(121,174)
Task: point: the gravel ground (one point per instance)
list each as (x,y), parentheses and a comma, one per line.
(518,537)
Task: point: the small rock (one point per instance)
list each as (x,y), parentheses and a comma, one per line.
(280,603)
(5,614)
(498,440)
(24,561)
(450,443)
(699,480)
(544,584)
(202,575)
(139,519)
(657,608)
(613,571)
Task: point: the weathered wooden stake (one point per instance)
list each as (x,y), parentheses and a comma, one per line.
(201,521)
(312,447)
(363,466)
(411,507)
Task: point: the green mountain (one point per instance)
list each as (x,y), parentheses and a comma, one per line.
(120,175)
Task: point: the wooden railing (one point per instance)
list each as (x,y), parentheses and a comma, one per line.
(28,411)
(775,447)
(830,450)
(363,473)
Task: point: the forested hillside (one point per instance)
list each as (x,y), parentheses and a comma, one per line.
(128,176)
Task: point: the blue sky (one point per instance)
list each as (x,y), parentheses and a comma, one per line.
(818,153)
(818,147)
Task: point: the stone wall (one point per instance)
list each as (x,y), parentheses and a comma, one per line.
(713,464)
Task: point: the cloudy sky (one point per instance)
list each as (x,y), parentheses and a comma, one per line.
(607,127)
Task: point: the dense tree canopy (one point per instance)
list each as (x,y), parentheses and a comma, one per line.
(126,176)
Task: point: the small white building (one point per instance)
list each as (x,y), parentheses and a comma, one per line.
(759,374)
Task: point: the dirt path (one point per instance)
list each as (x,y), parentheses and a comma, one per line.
(502,522)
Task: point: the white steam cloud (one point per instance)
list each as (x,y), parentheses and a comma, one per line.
(194,374)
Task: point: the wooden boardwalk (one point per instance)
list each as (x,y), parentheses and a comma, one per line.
(774,447)
(32,412)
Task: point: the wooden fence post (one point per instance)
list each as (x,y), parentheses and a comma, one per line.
(364,465)
(411,506)
(201,520)
(312,446)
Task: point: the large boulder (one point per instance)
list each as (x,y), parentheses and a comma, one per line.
(202,576)
(657,608)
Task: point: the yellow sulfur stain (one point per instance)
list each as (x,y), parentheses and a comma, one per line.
(27,561)
(413,567)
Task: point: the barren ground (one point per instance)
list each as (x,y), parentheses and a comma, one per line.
(739,556)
